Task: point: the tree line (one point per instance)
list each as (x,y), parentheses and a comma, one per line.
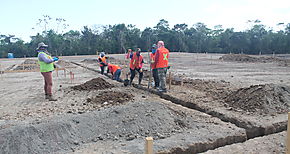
(181,38)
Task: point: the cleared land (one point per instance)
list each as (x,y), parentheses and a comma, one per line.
(214,100)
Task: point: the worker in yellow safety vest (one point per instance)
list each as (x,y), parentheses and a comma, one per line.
(46,67)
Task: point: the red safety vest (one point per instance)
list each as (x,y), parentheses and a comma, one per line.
(113,68)
(136,61)
(103,59)
(162,54)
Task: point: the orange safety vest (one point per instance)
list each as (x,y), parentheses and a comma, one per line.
(113,68)
(136,61)
(152,58)
(162,54)
(103,59)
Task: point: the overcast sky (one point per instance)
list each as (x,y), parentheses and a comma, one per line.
(18,17)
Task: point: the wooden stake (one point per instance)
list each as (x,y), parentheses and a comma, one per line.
(288,135)
(71,76)
(181,82)
(56,69)
(169,80)
(149,145)
(1,72)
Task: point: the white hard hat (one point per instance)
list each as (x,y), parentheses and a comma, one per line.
(41,44)
(102,54)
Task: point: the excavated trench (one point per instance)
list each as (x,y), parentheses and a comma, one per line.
(252,130)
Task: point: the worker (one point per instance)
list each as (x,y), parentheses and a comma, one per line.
(102,62)
(46,67)
(154,70)
(136,64)
(129,53)
(161,64)
(115,71)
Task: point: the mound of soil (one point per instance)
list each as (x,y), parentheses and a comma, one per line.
(126,122)
(217,89)
(30,61)
(94,84)
(110,98)
(262,99)
(247,58)
(63,63)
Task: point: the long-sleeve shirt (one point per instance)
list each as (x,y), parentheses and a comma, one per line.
(43,57)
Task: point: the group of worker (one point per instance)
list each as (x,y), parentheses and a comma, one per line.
(158,63)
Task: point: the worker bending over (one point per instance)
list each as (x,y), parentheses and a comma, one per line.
(115,70)
(102,62)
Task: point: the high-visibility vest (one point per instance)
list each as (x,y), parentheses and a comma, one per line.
(152,59)
(136,61)
(113,68)
(163,55)
(103,59)
(45,67)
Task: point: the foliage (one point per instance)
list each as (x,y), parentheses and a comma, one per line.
(118,38)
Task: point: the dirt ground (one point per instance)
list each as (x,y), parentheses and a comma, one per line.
(214,90)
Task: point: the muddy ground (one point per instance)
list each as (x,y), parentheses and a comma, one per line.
(222,102)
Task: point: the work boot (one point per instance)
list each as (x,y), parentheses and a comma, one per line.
(162,90)
(130,82)
(50,98)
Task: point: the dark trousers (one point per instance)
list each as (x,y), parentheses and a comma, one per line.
(102,69)
(133,72)
(155,77)
(117,75)
(47,82)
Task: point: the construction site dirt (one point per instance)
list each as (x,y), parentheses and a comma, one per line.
(215,104)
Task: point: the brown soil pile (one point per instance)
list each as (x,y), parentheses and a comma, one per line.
(249,59)
(94,84)
(110,98)
(28,64)
(216,89)
(261,99)
(63,63)
(176,79)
